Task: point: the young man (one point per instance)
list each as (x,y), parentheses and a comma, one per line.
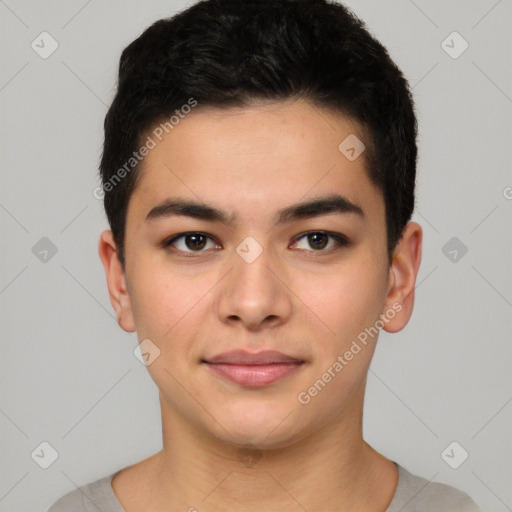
(259,170)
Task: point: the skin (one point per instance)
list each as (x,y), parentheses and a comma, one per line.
(302,301)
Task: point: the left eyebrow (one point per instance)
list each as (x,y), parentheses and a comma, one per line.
(315,207)
(333,203)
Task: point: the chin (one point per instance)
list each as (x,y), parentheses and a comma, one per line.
(259,427)
(251,439)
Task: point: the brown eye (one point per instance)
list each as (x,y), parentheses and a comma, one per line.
(319,240)
(195,242)
(189,242)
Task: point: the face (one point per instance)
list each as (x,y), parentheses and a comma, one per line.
(290,256)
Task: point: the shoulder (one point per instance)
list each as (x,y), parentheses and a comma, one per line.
(417,494)
(91,497)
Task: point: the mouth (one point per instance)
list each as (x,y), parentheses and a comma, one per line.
(253,369)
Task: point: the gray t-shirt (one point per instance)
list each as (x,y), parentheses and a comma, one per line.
(412,494)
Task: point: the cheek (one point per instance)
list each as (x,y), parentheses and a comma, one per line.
(347,300)
(171,309)
(349,303)
(160,299)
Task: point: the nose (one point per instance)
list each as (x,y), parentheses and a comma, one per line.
(254,294)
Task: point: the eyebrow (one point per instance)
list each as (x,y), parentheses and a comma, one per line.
(315,207)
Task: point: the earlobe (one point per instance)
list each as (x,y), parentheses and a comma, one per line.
(116,281)
(402,279)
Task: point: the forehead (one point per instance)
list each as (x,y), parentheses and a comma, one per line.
(255,160)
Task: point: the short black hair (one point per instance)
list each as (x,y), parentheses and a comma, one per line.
(229,53)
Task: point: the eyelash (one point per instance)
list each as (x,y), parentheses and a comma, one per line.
(341,240)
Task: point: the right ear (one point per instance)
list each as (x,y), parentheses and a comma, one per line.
(116,281)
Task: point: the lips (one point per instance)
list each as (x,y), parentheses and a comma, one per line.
(253,369)
(247,358)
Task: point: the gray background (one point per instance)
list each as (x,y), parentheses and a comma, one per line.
(68,374)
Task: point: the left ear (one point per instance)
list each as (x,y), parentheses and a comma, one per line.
(402,277)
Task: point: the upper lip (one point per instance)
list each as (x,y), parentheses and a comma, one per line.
(255,358)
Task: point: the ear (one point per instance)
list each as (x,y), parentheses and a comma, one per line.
(402,277)
(116,281)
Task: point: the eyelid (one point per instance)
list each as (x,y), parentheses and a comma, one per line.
(170,240)
(340,239)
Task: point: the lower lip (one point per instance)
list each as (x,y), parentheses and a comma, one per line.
(254,375)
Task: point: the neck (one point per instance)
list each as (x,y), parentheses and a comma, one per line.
(331,468)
